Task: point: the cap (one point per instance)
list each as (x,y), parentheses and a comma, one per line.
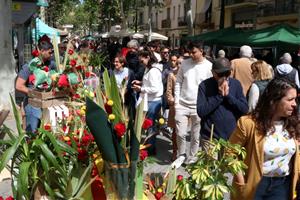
(221,65)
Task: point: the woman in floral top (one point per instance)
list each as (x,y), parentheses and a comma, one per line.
(269,136)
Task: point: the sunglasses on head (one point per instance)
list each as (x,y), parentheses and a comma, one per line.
(224,74)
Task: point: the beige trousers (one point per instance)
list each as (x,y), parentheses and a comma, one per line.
(182,116)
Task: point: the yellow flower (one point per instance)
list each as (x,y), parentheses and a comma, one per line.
(67,138)
(161,121)
(82,112)
(91,94)
(159,190)
(110,102)
(111,117)
(83,108)
(164,184)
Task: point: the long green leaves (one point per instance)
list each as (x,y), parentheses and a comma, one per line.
(16,115)
(9,153)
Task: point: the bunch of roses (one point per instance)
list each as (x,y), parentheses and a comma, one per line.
(82,143)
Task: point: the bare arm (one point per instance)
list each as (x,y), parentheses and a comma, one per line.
(21,85)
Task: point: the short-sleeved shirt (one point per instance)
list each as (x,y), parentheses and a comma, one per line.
(25,73)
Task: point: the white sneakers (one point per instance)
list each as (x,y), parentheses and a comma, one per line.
(178,162)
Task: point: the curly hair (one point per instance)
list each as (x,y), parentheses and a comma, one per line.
(267,105)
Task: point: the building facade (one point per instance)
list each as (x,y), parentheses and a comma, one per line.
(172,19)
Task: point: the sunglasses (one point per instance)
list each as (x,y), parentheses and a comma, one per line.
(165,52)
(224,74)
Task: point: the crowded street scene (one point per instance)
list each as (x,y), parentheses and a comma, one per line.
(149,100)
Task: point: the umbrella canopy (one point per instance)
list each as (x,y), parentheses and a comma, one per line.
(278,35)
(210,37)
(44,29)
(154,35)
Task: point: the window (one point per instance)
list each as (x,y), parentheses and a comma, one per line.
(168,13)
(174,12)
(179,8)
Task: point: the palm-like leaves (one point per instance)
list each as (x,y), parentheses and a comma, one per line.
(43,160)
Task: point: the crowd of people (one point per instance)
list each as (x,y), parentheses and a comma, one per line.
(246,101)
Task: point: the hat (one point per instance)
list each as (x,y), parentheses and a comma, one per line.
(221,65)
(221,53)
(245,51)
(286,58)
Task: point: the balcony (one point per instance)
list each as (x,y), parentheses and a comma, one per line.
(166,23)
(182,21)
(272,8)
(239,3)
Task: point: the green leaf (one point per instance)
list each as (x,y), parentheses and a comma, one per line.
(23,179)
(9,153)
(49,190)
(56,146)
(139,120)
(99,97)
(85,177)
(8,131)
(50,157)
(107,85)
(115,96)
(17,116)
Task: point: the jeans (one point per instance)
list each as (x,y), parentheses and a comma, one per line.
(153,114)
(273,188)
(33,117)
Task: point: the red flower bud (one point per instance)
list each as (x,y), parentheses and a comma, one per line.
(63,81)
(35,53)
(76,96)
(147,124)
(73,63)
(79,67)
(9,198)
(46,69)
(158,195)
(120,129)
(179,177)
(71,51)
(47,127)
(87,74)
(108,108)
(143,154)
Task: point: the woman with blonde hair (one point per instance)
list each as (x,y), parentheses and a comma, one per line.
(262,75)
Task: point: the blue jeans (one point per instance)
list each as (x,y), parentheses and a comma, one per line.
(33,117)
(273,188)
(153,114)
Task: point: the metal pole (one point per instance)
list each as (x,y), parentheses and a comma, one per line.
(136,17)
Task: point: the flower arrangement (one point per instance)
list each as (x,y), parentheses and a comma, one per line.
(56,163)
(208,179)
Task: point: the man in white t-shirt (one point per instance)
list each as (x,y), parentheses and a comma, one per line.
(192,72)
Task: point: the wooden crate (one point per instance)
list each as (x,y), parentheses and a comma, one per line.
(46,103)
(45,95)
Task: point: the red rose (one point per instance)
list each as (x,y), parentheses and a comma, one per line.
(143,154)
(108,108)
(31,78)
(9,198)
(46,69)
(159,195)
(71,51)
(73,63)
(63,81)
(87,74)
(120,129)
(47,127)
(179,177)
(1,198)
(35,53)
(76,96)
(82,154)
(78,67)
(147,124)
